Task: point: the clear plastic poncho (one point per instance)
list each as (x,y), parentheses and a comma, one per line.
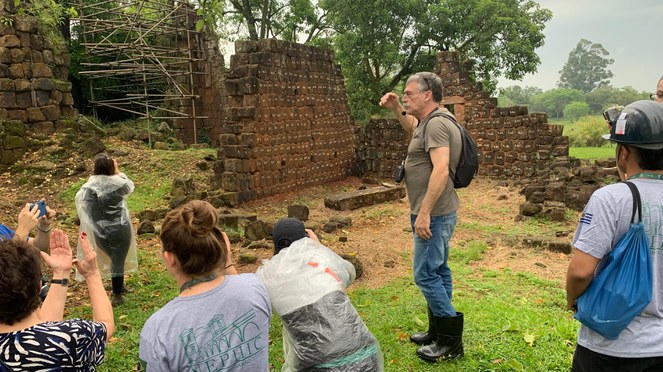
(103,211)
(323,331)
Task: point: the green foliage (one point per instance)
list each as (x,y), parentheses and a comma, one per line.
(380,43)
(575,110)
(603,97)
(517,95)
(587,67)
(588,132)
(553,101)
(592,153)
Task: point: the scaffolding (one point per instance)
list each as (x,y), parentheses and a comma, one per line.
(141,56)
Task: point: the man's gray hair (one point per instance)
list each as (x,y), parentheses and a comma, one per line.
(428,81)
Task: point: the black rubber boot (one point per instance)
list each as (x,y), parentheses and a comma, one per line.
(449,343)
(118,290)
(428,337)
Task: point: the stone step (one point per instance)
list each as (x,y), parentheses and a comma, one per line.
(363,198)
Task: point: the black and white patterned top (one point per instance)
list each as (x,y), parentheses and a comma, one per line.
(70,345)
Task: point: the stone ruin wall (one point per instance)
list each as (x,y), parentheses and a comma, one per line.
(35,94)
(287,123)
(209,72)
(512,143)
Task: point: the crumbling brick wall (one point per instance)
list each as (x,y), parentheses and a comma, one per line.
(287,124)
(512,143)
(204,121)
(35,96)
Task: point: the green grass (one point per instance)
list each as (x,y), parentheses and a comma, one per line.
(592,153)
(514,321)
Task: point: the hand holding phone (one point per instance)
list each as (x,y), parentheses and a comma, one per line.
(42,207)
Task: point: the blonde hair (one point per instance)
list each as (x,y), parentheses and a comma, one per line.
(191,233)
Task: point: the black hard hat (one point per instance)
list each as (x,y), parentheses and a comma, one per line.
(639,124)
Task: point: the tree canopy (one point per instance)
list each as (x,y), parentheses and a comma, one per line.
(587,67)
(380,42)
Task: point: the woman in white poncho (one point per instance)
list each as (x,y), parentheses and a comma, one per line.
(102,207)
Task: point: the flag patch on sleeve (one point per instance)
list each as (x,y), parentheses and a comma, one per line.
(586,218)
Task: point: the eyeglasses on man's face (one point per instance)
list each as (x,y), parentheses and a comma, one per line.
(655,96)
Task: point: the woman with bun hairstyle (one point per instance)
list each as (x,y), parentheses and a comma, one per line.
(102,208)
(220,320)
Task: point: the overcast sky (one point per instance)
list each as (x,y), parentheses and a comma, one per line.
(629,30)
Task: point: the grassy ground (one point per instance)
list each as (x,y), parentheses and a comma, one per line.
(514,315)
(592,153)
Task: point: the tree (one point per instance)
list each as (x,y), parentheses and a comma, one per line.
(380,42)
(601,98)
(518,95)
(553,101)
(587,67)
(290,20)
(575,110)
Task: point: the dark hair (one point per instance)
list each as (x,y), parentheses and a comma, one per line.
(190,232)
(103,165)
(20,278)
(428,81)
(651,160)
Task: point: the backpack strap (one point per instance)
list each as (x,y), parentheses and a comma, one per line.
(438,114)
(637,202)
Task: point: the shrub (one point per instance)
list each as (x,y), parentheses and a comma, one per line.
(588,132)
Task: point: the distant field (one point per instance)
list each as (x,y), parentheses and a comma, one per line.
(592,152)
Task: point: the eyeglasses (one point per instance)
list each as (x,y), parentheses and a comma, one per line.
(657,95)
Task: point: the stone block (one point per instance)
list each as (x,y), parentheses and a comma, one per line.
(25,23)
(24,100)
(17,71)
(7,85)
(22,85)
(17,55)
(41,70)
(43,127)
(43,83)
(51,112)
(10,41)
(361,198)
(35,115)
(19,115)
(5,55)
(13,142)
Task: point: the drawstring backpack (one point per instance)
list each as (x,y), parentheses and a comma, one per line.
(623,288)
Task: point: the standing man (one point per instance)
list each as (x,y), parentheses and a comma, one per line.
(432,157)
(638,133)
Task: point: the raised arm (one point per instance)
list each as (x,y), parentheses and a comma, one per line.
(391,102)
(42,237)
(102,311)
(59,260)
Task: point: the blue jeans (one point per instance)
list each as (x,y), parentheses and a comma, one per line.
(431,269)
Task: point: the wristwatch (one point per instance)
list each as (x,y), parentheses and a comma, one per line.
(63,282)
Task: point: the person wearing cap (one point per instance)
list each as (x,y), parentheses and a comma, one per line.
(306,283)
(637,131)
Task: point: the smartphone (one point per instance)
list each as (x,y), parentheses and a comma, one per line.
(42,207)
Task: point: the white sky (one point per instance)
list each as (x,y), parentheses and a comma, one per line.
(628,30)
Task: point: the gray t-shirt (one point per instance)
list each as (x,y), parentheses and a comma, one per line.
(223,329)
(440,132)
(605,220)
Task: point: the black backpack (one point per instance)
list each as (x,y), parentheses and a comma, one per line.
(468,163)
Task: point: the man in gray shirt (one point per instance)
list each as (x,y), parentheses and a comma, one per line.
(432,157)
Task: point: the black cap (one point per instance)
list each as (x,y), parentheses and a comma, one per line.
(639,124)
(287,231)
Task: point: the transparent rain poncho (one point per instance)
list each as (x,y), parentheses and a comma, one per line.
(102,208)
(323,331)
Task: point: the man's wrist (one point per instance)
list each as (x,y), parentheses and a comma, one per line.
(61,273)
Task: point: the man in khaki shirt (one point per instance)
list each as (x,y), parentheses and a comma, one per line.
(432,157)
